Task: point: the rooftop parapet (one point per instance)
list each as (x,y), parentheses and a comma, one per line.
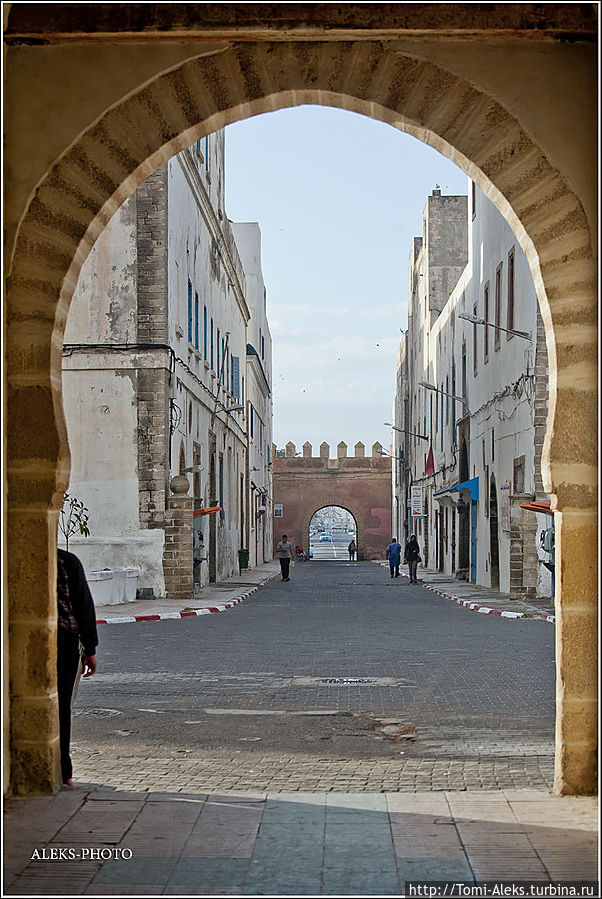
(290,450)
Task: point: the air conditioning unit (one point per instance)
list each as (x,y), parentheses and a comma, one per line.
(547,540)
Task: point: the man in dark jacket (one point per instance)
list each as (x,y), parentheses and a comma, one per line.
(76,625)
(412,557)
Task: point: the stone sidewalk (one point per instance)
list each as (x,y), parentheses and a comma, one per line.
(309,844)
(213,598)
(482,599)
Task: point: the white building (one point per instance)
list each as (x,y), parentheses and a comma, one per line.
(154,374)
(258,398)
(483,416)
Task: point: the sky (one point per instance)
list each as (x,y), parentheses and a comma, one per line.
(338,198)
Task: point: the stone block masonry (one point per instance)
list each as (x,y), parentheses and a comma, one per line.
(152,323)
(177,556)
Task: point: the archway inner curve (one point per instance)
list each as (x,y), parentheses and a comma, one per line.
(117,152)
(332,531)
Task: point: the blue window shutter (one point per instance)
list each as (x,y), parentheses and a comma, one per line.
(236,377)
(189,312)
(205,332)
(196,321)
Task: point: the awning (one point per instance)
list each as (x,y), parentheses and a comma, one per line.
(472,485)
(444,490)
(208,511)
(537,507)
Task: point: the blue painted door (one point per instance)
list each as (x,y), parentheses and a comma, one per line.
(473,542)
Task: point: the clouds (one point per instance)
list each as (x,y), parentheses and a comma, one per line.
(338,198)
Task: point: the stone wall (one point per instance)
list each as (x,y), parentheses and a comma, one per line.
(360,484)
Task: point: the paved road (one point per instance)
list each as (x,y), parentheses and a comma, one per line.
(444,698)
(334,551)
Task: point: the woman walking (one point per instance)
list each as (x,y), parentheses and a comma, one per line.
(412,557)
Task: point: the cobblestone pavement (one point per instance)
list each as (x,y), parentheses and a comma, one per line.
(298,844)
(338,679)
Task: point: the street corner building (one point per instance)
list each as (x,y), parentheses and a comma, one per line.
(471,403)
(167,385)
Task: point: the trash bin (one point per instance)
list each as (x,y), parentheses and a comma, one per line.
(243,559)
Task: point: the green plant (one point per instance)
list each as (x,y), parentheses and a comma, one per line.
(73,517)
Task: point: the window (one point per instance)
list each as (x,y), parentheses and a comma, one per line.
(431,417)
(251,419)
(486,328)
(242,390)
(493,444)
(223,358)
(218,357)
(236,377)
(228,369)
(473,199)
(441,426)
(519,475)
(212,343)
(498,306)
(510,315)
(196,481)
(447,400)
(474,343)
(262,347)
(189,312)
(196,321)
(205,332)
(221,485)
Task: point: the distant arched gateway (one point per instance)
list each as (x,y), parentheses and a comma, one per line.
(360,484)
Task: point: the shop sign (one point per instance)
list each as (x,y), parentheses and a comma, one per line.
(416,502)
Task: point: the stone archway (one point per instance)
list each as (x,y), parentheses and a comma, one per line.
(347,538)
(132,90)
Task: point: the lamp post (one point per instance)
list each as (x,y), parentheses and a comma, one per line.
(481,321)
(404,431)
(453,396)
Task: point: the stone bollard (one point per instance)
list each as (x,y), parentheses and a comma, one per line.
(177,553)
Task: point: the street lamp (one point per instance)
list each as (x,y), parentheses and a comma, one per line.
(403,431)
(233,409)
(481,321)
(443,392)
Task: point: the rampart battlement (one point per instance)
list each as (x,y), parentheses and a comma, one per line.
(290,451)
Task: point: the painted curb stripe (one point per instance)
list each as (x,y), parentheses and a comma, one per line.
(485,610)
(193,613)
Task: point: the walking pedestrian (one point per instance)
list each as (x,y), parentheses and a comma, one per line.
(285,548)
(77,639)
(352,549)
(394,556)
(412,557)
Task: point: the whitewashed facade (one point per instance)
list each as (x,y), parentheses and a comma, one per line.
(154,375)
(485,421)
(258,398)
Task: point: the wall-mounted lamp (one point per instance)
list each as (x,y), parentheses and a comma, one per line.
(481,321)
(428,386)
(403,431)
